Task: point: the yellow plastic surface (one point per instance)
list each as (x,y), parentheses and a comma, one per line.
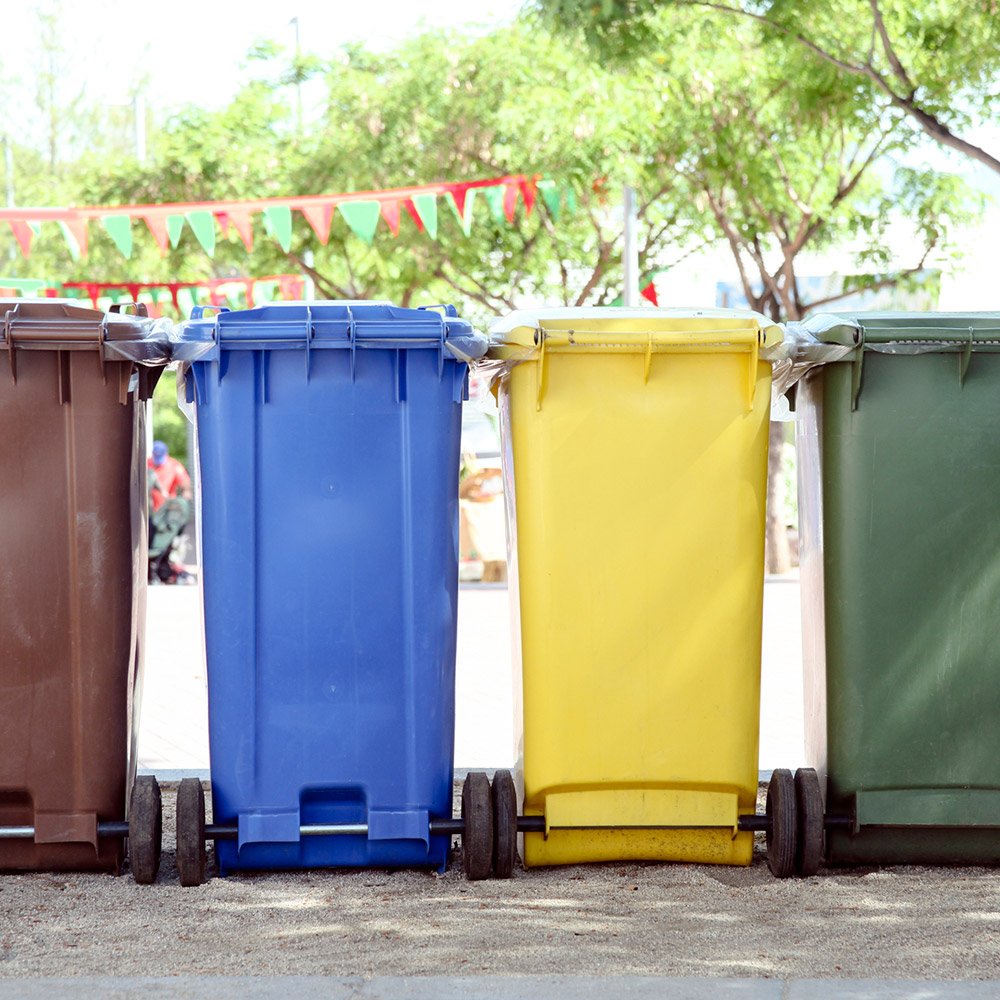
(640,461)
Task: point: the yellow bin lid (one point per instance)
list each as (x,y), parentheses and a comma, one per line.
(520,334)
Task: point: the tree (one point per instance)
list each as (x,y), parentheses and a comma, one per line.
(774,157)
(935,61)
(439,106)
(789,156)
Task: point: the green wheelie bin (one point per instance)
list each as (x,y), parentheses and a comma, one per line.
(899,505)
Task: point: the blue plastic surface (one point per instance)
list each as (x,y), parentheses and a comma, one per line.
(329,441)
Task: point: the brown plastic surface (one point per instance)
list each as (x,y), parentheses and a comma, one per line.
(72,591)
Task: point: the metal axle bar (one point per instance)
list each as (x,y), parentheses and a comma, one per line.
(28,832)
(438,827)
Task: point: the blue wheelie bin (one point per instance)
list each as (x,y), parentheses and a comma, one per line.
(329,444)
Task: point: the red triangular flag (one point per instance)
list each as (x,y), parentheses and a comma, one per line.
(458,193)
(509,200)
(528,192)
(414,214)
(157,224)
(649,292)
(22,231)
(319,217)
(243,224)
(78,227)
(390,212)
(222,218)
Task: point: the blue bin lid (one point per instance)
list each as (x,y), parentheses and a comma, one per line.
(326,324)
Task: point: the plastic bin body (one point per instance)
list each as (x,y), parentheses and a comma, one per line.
(902,586)
(638,452)
(72,583)
(329,477)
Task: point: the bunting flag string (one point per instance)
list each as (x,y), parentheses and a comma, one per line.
(238,293)
(362,211)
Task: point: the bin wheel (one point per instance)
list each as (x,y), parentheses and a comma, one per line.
(191,851)
(145,829)
(809,805)
(782,829)
(504,824)
(477,836)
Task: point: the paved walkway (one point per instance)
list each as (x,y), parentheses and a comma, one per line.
(174,725)
(491,988)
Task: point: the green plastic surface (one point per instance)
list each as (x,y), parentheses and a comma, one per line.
(911,492)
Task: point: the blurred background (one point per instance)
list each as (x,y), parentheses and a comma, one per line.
(787,158)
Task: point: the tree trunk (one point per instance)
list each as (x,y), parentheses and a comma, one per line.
(777,553)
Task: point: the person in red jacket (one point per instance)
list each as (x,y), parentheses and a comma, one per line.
(170,508)
(171,476)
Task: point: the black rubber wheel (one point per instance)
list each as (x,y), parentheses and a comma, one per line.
(504,824)
(782,829)
(191,850)
(809,805)
(145,829)
(477,837)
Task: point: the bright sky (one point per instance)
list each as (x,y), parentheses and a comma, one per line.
(192,50)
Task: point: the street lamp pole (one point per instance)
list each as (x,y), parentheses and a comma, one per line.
(139,114)
(630,292)
(294,22)
(8,161)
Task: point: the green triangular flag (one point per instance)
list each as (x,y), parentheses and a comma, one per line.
(115,294)
(202,224)
(119,228)
(156,294)
(36,228)
(494,198)
(175,226)
(263,291)
(427,209)
(552,197)
(71,244)
(362,217)
(464,221)
(186,300)
(278,222)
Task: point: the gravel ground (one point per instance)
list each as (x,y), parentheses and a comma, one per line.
(613,919)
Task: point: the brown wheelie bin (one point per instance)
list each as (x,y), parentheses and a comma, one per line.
(73,542)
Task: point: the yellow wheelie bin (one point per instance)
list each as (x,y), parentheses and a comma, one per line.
(635,455)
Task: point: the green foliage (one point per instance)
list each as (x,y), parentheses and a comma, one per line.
(440,106)
(935,61)
(775,156)
(789,155)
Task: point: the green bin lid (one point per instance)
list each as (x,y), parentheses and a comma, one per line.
(922,331)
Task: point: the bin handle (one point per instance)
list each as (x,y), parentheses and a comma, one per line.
(857,368)
(965,357)
(198,312)
(448,311)
(126,308)
(540,370)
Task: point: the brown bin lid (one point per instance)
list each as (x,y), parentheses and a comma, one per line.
(54,324)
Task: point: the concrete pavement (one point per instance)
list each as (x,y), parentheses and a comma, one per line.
(490,988)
